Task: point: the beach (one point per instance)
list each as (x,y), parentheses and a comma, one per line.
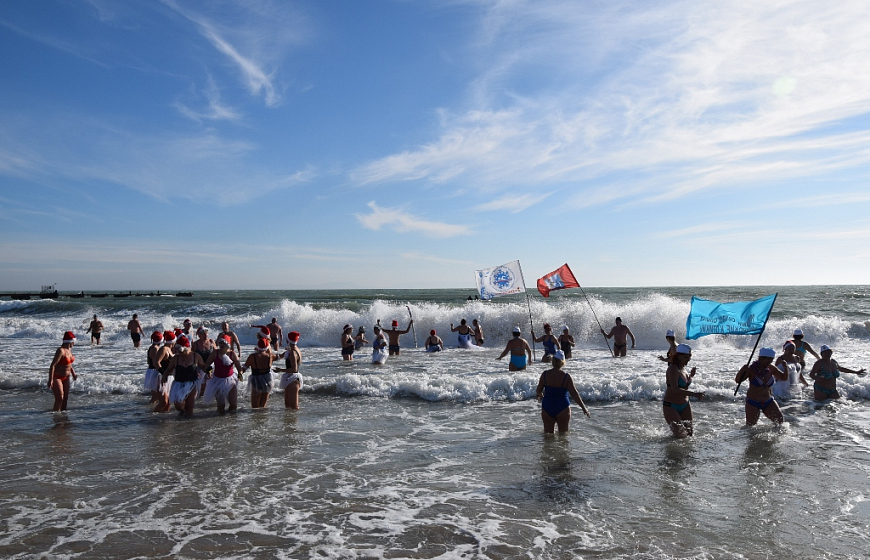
(433,456)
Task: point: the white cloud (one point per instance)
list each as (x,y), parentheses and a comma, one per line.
(401,221)
(513,202)
(682,97)
(215,110)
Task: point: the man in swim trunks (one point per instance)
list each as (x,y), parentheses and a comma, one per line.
(95,329)
(394,333)
(135,328)
(234,340)
(521,353)
(275,334)
(618,334)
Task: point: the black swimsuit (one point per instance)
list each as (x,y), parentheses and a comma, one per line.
(185,374)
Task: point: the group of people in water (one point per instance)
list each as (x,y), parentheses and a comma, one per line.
(185,365)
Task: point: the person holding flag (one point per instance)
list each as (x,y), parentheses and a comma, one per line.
(619,333)
(561,279)
(759,395)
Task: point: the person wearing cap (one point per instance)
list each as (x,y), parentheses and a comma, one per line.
(60,371)
(360,339)
(203,346)
(549,341)
(566,342)
(260,380)
(394,334)
(478,332)
(675,404)
(554,387)
(759,395)
(273,332)
(135,328)
(789,363)
(96,330)
(347,344)
(825,373)
(183,367)
(619,333)
(379,346)
(672,347)
(291,379)
(518,348)
(434,342)
(234,340)
(222,387)
(802,347)
(152,374)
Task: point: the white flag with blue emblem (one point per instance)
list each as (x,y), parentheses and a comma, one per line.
(501,280)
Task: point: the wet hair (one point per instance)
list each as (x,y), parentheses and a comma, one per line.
(462,322)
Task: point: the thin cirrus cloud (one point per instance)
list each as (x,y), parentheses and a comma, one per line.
(254,38)
(401,221)
(513,203)
(216,110)
(683,96)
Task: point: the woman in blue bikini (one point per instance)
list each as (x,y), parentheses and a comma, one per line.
(759,395)
(825,373)
(553,389)
(675,404)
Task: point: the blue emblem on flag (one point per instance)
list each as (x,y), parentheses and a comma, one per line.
(502,278)
(555,282)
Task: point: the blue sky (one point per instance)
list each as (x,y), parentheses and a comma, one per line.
(394,144)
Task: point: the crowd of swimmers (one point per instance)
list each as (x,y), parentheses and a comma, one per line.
(184,365)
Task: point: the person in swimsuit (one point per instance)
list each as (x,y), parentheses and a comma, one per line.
(187,330)
(521,353)
(291,380)
(478,331)
(465,336)
(566,342)
(347,343)
(135,328)
(789,363)
(234,340)
(260,380)
(152,374)
(619,333)
(203,346)
(672,347)
(60,371)
(825,373)
(360,339)
(222,387)
(759,395)
(183,366)
(549,341)
(379,347)
(164,356)
(394,334)
(434,342)
(802,347)
(554,386)
(96,330)
(675,403)
(273,331)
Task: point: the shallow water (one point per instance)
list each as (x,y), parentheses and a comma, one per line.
(432,456)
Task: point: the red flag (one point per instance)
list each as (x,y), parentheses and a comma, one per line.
(557,280)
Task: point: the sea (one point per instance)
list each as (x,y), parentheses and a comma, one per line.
(439,455)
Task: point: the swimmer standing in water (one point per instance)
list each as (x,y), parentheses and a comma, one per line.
(434,342)
(619,333)
(478,331)
(825,373)
(60,370)
(675,404)
(135,328)
(549,341)
(521,353)
(96,330)
(553,390)
(347,344)
(394,334)
(291,380)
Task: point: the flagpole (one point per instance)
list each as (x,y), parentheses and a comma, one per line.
(408,307)
(596,319)
(529,303)
(757,340)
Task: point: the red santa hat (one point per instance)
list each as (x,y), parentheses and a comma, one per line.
(69,337)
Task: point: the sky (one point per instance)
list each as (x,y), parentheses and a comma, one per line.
(257,144)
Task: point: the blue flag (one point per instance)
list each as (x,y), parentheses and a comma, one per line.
(740,317)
